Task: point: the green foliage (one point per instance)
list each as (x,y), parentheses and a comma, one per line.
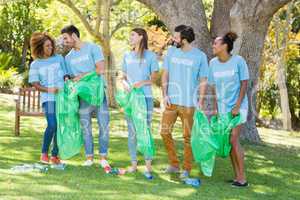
(131,14)
(6,60)
(293,85)
(9,77)
(208,6)
(269,96)
(17,22)
(55,15)
(155,21)
(295,14)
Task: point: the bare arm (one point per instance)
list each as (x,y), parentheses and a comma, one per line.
(202,92)
(78,77)
(152,80)
(214,100)
(100,67)
(165,81)
(100,70)
(125,83)
(41,88)
(242,94)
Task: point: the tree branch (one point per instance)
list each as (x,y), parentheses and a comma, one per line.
(98,13)
(269,7)
(121,24)
(124,23)
(86,24)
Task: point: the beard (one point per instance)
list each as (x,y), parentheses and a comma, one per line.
(176,44)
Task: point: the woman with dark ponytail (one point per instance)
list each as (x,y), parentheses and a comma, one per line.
(229,75)
(140,67)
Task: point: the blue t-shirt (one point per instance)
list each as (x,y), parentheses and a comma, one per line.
(185,71)
(227,79)
(49,73)
(137,69)
(83,60)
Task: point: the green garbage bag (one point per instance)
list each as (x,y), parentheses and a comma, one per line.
(221,128)
(90,88)
(69,135)
(134,106)
(211,139)
(203,145)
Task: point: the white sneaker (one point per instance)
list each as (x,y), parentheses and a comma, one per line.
(88,163)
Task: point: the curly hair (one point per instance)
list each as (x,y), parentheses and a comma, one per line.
(37,42)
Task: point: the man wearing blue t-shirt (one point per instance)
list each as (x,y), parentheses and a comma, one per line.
(185,71)
(85,57)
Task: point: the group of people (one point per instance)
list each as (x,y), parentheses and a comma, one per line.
(186,74)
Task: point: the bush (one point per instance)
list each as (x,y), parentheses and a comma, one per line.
(293,85)
(9,77)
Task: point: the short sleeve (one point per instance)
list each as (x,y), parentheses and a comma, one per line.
(203,69)
(211,80)
(154,64)
(166,62)
(33,73)
(97,53)
(243,70)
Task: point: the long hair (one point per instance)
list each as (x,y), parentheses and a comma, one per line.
(37,41)
(144,42)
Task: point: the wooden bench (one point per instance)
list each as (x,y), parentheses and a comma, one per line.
(28,103)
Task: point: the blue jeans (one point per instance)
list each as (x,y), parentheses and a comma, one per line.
(50,132)
(102,112)
(132,133)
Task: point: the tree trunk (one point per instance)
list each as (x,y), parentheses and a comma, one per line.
(24,53)
(249,18)
(252,31)
(221,11)
(281,44)
(284,99)
(188,12)
(110,74)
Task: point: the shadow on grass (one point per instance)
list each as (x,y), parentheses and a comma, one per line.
(273,171)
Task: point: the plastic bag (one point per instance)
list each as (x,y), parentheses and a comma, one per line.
(90,88)
(221,128)
(69,134)
(134,106)
(211,139)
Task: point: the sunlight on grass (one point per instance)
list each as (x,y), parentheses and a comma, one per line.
(272,167)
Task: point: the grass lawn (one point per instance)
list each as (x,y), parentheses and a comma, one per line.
(272,168)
